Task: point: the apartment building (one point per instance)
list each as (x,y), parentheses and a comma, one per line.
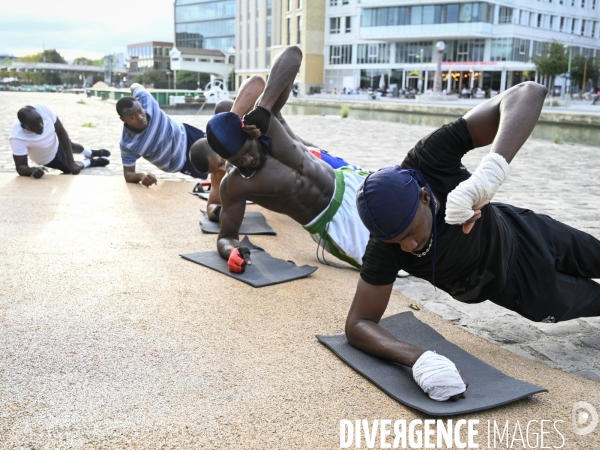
(266,27)
(487,44)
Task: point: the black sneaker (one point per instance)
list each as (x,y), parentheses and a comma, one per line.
(97,153)
(99,162)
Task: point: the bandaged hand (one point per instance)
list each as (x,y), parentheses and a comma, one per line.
(438,376)
(478,190)
(259,117)
(237,259)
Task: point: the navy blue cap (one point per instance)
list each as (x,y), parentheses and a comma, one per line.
(225,134)
(387,201)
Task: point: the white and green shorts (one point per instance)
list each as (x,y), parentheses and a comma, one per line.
(338,229)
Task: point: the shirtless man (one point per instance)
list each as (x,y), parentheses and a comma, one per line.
(206,160)
(276,171)
(433,218)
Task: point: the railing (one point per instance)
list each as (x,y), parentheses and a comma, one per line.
(53,67)
(162,96)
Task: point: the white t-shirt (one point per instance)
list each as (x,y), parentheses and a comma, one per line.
(41,148)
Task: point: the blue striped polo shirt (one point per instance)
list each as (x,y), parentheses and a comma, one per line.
(163,142)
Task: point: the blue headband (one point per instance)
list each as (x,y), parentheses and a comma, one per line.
(387,202)
(226,136)
(383,218)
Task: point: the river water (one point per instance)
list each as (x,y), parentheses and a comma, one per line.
(567,133)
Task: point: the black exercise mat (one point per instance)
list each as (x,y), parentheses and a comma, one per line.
(204,195)
(253,223)
(488,387)
(264,271)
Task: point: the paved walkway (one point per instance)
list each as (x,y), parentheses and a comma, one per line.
(110,340)
(556,179)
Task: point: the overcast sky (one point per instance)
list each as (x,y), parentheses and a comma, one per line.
(82,28)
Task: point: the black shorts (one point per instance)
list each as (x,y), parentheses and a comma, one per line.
(60,161)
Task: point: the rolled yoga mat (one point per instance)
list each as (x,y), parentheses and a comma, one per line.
(264,271)
(253,223)
(488,387)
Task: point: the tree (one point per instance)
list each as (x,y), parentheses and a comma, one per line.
(554,60)
(150,77)
(49,56)
(83,61)
(185,77)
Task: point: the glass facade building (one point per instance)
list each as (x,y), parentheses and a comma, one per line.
(489,45)
(205,24)
(148,55)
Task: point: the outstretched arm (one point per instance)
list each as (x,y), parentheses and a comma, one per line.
(250,91)
(131,176)
(276,93)
(364,332)
(507,120)
(281,79)
(232,215)
(134,86)
(24,170)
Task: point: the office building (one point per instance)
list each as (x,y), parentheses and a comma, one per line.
(487,44)
(205,24)
(258,31)
(148,55)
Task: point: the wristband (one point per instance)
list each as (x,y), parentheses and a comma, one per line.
(260,117)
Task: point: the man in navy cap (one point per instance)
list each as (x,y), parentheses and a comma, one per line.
(274,169)
(433,218)
(205,160)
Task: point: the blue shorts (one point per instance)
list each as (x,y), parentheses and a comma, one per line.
(192,134)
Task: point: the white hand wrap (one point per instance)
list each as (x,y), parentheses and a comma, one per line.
(438,376)
(478,190)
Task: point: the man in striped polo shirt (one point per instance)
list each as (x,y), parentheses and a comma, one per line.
(151,134)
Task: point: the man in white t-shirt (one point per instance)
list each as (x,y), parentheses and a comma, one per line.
(40,135)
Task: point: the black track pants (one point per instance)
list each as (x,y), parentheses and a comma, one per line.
(551,270)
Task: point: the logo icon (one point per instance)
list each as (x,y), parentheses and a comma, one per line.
(584,417)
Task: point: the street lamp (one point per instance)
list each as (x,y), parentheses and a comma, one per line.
(437,86)
(168,79)
(568,74)
(420,82)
